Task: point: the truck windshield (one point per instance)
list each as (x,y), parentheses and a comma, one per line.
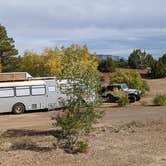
(124,86)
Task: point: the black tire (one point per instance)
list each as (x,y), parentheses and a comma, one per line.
(111,98)
(132,98)
(138,98)
(18,108)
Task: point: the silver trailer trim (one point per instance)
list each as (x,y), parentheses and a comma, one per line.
(22,83)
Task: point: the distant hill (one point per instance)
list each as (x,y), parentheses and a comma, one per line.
(105,56)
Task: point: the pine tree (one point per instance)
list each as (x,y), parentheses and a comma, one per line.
(7,49)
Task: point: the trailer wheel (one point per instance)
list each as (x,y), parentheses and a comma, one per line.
(18,108)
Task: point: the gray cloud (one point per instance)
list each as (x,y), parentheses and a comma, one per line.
(106,26)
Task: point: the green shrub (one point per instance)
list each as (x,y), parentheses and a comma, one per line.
(106,65)
(158,69)
(82,146)
(160,100)
(80,114)
(123,98)
(131,78)
(139,59)
(121,63)
(123,101)
(76,122)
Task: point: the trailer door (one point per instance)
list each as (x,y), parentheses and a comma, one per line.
(52,97)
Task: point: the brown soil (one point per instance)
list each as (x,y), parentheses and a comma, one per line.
(130,136)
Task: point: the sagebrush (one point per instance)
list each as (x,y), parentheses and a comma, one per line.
(160,100)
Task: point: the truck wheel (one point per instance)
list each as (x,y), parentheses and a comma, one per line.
(110,98)
(132,98)
(138,98)
(18,108)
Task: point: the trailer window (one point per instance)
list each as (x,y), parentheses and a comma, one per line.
(6,92)
(23,91)
(38,90)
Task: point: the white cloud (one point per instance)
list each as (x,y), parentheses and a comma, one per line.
(105,25)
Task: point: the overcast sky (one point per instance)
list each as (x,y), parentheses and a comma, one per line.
(107,26)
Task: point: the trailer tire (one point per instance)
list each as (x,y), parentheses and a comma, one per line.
(18,108)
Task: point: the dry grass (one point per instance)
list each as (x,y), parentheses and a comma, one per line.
(130,136)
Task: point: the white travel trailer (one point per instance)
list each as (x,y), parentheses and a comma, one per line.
(34,94)
(20,92)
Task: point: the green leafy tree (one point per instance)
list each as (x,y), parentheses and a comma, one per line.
(158,69)
(15,64)
(134,59)
(33,63)
(149,60)
(122,63)
(80,69)
(106,65)
(163,59)
(139,59)
(7,49)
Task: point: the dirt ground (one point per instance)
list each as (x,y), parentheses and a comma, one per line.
(130,136)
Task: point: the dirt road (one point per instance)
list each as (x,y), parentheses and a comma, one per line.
(132,113)
(32,120)
(113,115)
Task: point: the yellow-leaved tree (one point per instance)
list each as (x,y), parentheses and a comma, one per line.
(69,62)
(76,61)
(53,61)
(33,63)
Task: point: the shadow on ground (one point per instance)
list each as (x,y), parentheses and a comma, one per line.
(23,132)
(28,139)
